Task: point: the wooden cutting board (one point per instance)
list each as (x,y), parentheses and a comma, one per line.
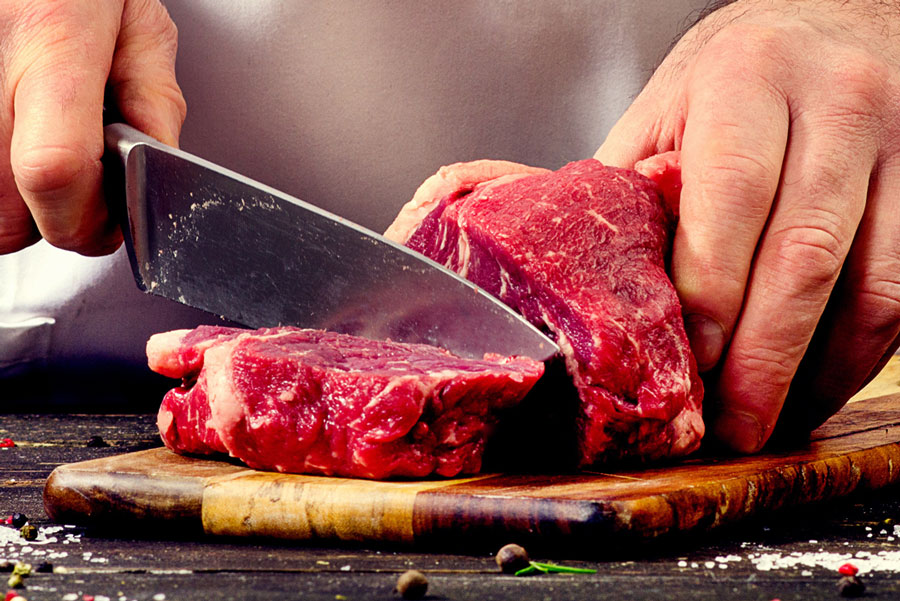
(858,449)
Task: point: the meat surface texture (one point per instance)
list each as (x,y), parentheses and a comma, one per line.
(581,253)
(309,401)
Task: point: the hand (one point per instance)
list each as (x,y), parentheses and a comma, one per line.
(56,59)
(786,113)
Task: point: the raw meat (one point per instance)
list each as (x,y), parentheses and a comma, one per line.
(309,401)
(580,252)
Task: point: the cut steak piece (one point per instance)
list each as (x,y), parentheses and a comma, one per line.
(580,252)
(309,401)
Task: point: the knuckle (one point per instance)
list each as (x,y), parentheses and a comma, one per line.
(739,182)
(878,300)
(749,51)
(13,241)
(82,240)
(777,362)
(814,250)
(858,79)
(17,231)
(859,97)
(148,20)
(48,170)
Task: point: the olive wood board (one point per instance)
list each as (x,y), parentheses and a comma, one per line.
(857,449)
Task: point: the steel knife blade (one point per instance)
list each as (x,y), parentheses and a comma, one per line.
(208,237)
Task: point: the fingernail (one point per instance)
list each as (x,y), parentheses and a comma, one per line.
(738,430)
(707,338)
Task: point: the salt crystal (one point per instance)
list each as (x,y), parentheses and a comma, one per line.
(70,597)
(159,597)
(682,564)
(710,564)
(723,566)
(806,573)
(345,568)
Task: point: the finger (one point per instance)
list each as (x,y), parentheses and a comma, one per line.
(17,228)
(635,136)
(862,316)
(731,157)
(653,124)
(58,73)
(820,204)
(142,78)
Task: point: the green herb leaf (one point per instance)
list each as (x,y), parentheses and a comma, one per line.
(558,569)
(552,568)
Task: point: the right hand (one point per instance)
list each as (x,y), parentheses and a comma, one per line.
(56,59)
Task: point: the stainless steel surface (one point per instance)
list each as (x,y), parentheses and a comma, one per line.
(210,238)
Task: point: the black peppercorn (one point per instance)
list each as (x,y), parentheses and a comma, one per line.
(512,558)
(19,519)
(851,586)
(45,567)
(97,442)
(412,584)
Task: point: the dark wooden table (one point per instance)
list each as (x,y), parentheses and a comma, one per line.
(767,559)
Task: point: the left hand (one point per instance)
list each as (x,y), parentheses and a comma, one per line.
(787,115)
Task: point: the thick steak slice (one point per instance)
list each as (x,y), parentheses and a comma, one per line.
(580,252)
(309,401)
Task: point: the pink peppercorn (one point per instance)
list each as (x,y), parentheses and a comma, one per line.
(6,443)
(848,569)
(10,595)
(88,597)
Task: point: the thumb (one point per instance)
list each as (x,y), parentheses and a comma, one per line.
(142,77)
(642,131)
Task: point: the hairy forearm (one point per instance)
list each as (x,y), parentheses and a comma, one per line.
(874,23)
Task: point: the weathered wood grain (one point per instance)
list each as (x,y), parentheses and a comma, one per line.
(858,450)
(201,569)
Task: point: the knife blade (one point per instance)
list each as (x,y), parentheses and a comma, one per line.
(210,238)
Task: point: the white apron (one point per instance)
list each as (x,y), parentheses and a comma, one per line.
(348,105)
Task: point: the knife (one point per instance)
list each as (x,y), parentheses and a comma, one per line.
(210,238)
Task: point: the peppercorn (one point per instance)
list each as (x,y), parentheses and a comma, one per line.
(6,566)
(45,567)
(97,442)
(28,532)
(18,519)
(512,558)
(851,586)
(412,584)
(10,595)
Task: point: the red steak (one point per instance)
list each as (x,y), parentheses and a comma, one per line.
(580,252)
(309,401)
